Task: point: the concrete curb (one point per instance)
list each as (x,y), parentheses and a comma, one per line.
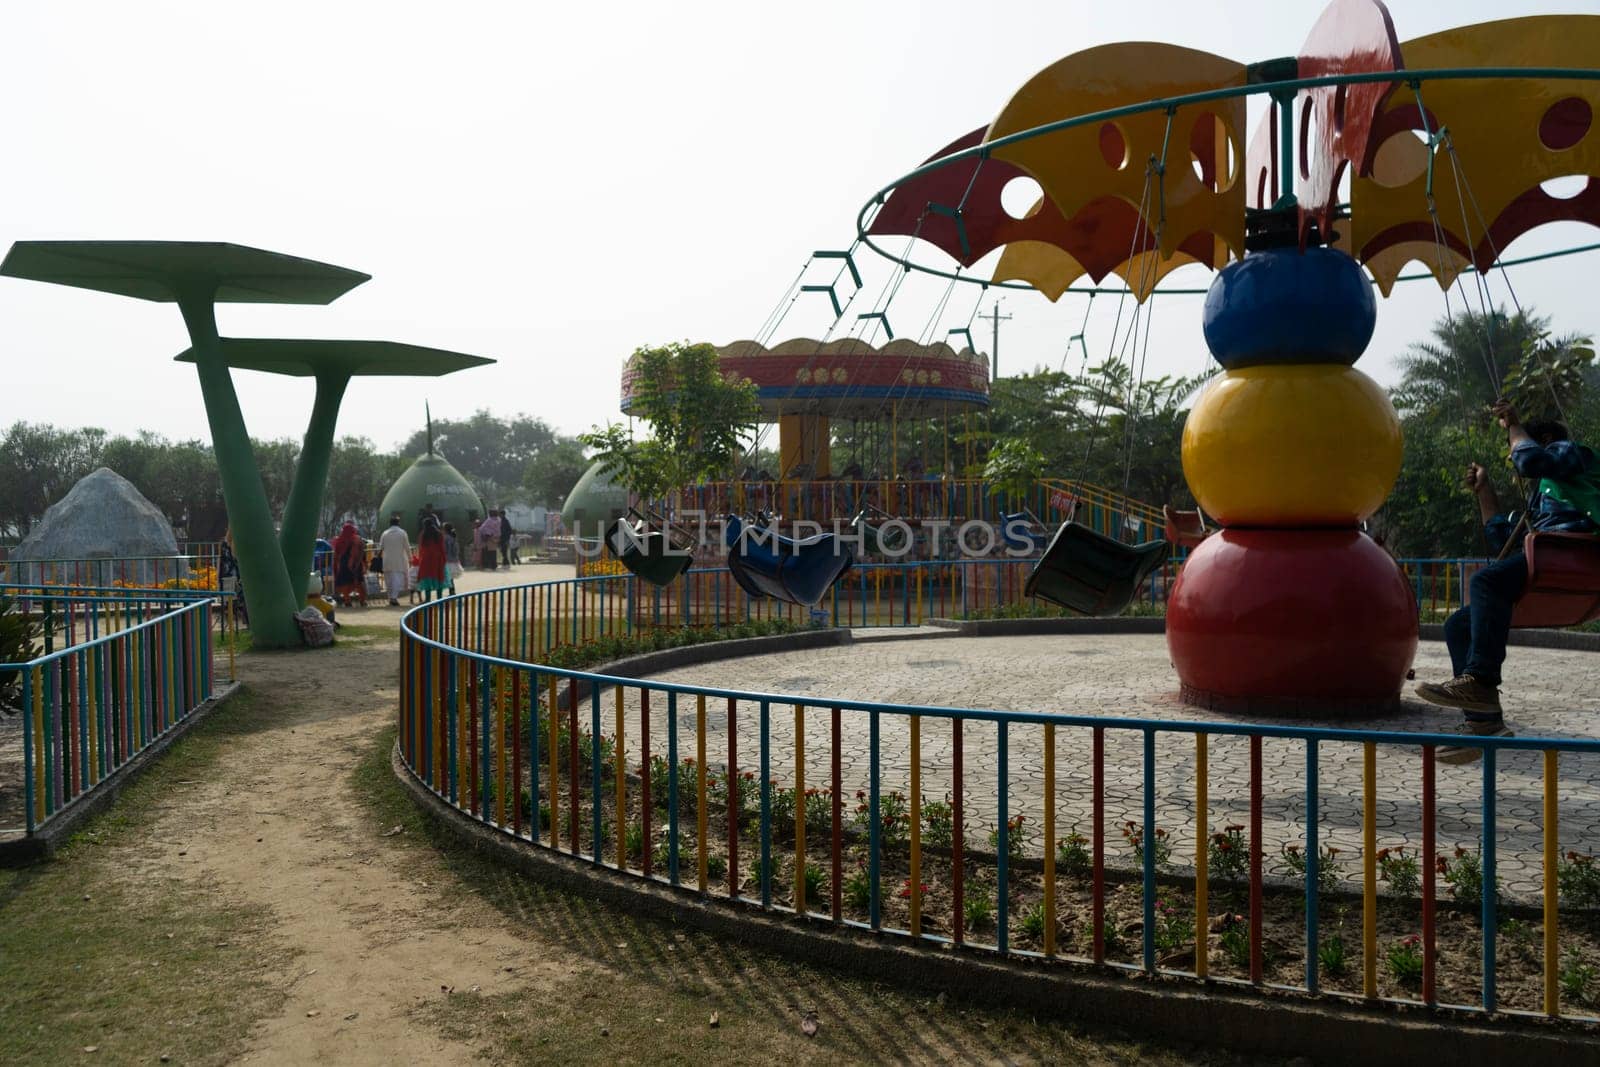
(1214,1014)
(45,841)
(1565,640)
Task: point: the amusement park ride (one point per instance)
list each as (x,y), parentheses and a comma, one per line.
(1137,149)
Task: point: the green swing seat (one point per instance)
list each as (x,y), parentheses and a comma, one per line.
(1091,574)
(654,555)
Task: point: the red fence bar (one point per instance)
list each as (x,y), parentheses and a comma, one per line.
(958,867)
(838,824)
(1429,848)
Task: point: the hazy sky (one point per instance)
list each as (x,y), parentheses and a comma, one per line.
(549,185)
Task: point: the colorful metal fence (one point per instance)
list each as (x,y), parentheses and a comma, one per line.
(658,780)
(112,674)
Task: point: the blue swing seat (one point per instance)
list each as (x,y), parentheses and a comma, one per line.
(1091,574)
(797,572)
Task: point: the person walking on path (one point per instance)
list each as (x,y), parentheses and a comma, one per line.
(350,566)
(396,549)
(505,539)
(489,542)
(452,556)
(432,579)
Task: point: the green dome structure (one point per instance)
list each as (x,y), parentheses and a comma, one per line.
(595,501)
(431,482)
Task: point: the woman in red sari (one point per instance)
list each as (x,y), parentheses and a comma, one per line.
(350,565)
(432,580)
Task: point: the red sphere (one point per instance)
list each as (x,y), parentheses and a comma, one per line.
(1291,620)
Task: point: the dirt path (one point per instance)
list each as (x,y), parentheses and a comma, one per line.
(282,832)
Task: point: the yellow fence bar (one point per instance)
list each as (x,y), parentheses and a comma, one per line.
(1049,839)
(619,759)
(1202,918)
(1369,869)
(800,809)
(700,787)
(1552,847)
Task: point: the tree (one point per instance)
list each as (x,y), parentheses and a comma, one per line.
(698,420)
(491,452)
(38,464)
(356,484)
(554,470)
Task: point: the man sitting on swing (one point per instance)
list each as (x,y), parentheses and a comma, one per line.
(1565,498)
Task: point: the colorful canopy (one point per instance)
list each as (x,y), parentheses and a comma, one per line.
(1143,193)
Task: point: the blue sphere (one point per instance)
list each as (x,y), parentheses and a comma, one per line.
(1281,305)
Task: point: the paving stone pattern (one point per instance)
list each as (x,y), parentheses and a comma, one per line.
(1550,693)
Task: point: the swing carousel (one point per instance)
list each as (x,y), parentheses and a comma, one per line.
(1371,154)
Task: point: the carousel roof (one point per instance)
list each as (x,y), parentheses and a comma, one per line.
(850,378)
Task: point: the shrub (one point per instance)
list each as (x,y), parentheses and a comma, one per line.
(18,633)
(938,819)
(1133,834)
(1328,866)
(1174,927)
(1405,959)
(978,908)
(1033,923)
(858,889)
(633,840)
(1578,877)
(1576,977)
(894,817)
(814,879)
(716,866)
(1228,857)
(1400,869)
(1331,955)
(1072,854)
(819,812)
(1236,940)
(1016,838)
(1465,874)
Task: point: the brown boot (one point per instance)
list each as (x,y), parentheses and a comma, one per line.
(1464,692)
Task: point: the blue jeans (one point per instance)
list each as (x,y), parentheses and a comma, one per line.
(1477,633)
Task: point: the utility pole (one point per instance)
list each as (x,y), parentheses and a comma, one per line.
(996,318)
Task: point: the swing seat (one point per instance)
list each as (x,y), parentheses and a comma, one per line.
(1563,580)
(872,539)
(1186,529)
(1016,531)
(783,568)
(1091,574)
(650,554)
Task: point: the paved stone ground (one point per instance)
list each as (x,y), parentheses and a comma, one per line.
(1550,693)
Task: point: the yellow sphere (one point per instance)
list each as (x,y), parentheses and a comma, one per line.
(1292,445)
